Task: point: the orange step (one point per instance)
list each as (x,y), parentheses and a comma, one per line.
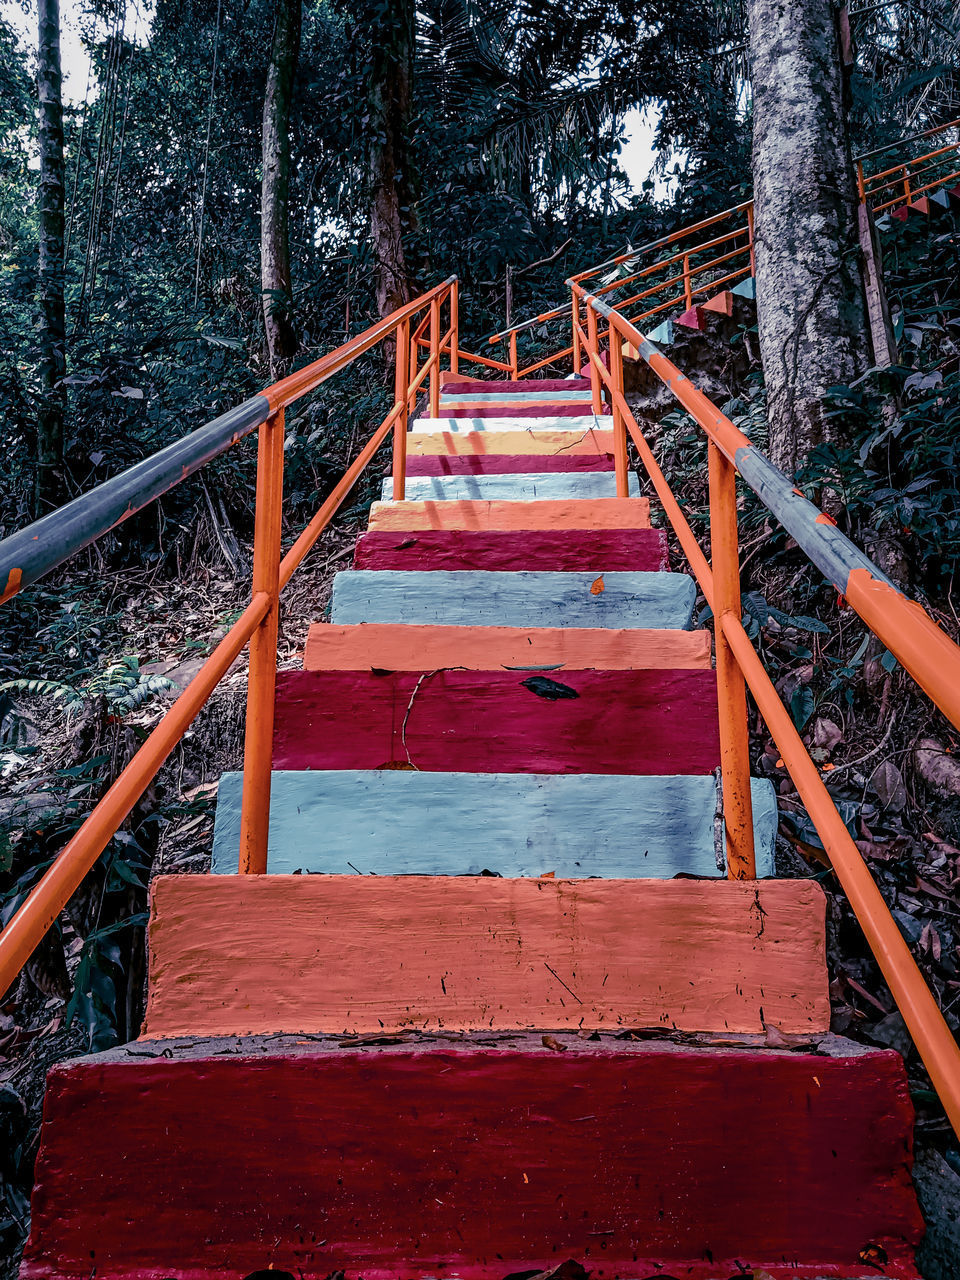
(396,647)
(573,513)
(372,954)
(509,443)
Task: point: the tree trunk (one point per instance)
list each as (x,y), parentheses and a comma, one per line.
(810,303)
(390,31)
(275,198)
(50,488)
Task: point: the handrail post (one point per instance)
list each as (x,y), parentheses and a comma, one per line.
(435,357)
(861,185)
(731,689)
(455,327)
(906,183)
(619,422)
(575,321)
(401,397)
(514,363)
(687,288)
(593,345)
(262,672)
(751,238)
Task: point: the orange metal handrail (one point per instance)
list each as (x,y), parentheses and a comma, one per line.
(872,191)
(257,625)
(907,630)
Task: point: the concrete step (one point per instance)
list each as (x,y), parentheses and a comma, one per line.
(527,487)
(355,955)
(575,513)
(651,722)
(397,822)
(513,422)
(537,443)
(396,647)
(585,550)
(525,386)
(492,397)
(492,464)
(477,1158)
(518,408)
(522,599)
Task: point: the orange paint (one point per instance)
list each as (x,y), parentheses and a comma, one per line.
(510,443)
(393,647)
(477,953)
(574,513)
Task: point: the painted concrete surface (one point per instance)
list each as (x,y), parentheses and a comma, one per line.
(553,422)
(650,722)
(478,598)
(396,647)
(395,822)
(532,391)
(576,513)
(501,409)
(505,464)
(450,400)
(511,488)
(361,954)
(453,385)
(588,550)
(454,1159)
(453,444)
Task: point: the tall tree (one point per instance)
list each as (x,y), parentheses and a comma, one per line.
(810,303)
(389,28)
(275,198)
(52,363)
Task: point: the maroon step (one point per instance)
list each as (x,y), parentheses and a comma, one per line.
(524,385)
(586,550)
(649,722)
(431,1159)
(569,409)
(504,464)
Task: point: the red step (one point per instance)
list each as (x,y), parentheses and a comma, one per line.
(568,409)
(651,722)
(474,386)
(694,318)
(603,550)
(503,464)
(438,1159)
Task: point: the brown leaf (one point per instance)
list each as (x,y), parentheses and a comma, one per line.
(598,588)
(887,782)
(930,940)
(774,1038)
(552,1043)
(826,733)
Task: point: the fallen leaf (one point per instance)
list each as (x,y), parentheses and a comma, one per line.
(552,690)
(936,767)
(826,733)
(774,1038)
(552,1043)
(887,781)
(598,588)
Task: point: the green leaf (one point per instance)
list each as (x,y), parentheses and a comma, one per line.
(801,705)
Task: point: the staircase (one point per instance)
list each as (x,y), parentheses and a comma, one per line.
(495,1004)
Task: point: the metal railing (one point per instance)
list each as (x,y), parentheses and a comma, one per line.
(910,634)
(28,554)
(676,271)
(908,181)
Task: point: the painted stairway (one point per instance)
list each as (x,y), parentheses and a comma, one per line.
(495,1004)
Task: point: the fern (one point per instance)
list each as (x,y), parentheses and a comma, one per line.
(122,685)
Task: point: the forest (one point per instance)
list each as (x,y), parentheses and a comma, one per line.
(242,186)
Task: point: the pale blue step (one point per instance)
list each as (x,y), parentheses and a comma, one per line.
(521,487)
(663,333)
(476,598)
(746,289)
(390,822)
(518,397)
(575,424)
(940,198)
